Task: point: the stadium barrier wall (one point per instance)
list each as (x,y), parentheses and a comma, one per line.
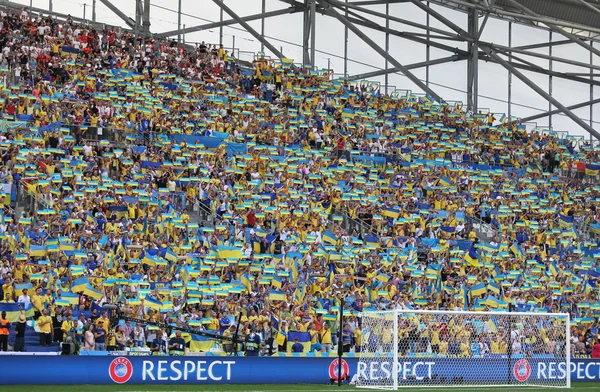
(258,370)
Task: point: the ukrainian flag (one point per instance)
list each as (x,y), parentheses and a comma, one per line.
(553,269)
(393,213)
(517,251)
(229,252)
(299,294)
(445,181)
(276,282)
(13,312)
(152,303)
(478,289)
(382,277)
(92,292)
(276,295)
(38,251)
(494,288)
(170,255)
(294,268)
(201,343)
(471,257)
(79,285)
(245,280)
(303,339)
(591,169)
(329,238)
(72,298)
(565,220)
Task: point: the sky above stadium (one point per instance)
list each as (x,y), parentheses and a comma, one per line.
(448,80)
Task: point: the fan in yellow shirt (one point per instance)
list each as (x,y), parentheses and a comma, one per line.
(45,325)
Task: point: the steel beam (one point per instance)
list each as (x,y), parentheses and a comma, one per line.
(519,17)
(146,18)
(455,50)
(392,18)
(442,18)
(557,111)
(331,11)
(473,62)
(229,22)
(249,29)
(313,31)
(544,44)
(421,64)
(306,34)
(541,92)
(128,21)
(521,50)
(556,28)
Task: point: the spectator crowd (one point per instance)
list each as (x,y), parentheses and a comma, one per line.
(192,191)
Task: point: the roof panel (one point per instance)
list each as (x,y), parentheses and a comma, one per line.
(566,10)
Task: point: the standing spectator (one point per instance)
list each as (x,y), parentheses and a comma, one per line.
(100,336)
(326,337)
(177,345)
(268,335)
(67,325)
(297,347)
(4,330)
(138,336)
(89,340)
(25,299)
(252,343)
(45,324)
(20,334)
(159,346)
(347,338)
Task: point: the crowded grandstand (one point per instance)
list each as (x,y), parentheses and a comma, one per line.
(171,200)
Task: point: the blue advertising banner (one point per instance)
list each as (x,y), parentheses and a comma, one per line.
(271,370)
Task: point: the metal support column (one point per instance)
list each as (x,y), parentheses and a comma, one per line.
(221,27)
(541,92)
(93,10)
(306,33)
(509,98)
(591,91)
(138,17)
(179,20)
(313,32)
(346,45)
(262,24)
(331,11)
(550,80)
(427,47)
(473,62)
(248,28)
(146,18)
(387,43)
(50,5)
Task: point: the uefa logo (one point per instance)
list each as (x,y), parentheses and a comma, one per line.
(334,369)
(120,370)
(522,370)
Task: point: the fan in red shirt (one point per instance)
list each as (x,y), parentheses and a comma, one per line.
(596,349)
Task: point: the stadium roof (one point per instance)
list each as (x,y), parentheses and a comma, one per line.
(580,17)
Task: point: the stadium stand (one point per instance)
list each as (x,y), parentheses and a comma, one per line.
(186,190)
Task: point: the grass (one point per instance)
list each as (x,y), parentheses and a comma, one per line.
(581,386)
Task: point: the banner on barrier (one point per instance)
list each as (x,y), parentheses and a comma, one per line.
(266,370)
